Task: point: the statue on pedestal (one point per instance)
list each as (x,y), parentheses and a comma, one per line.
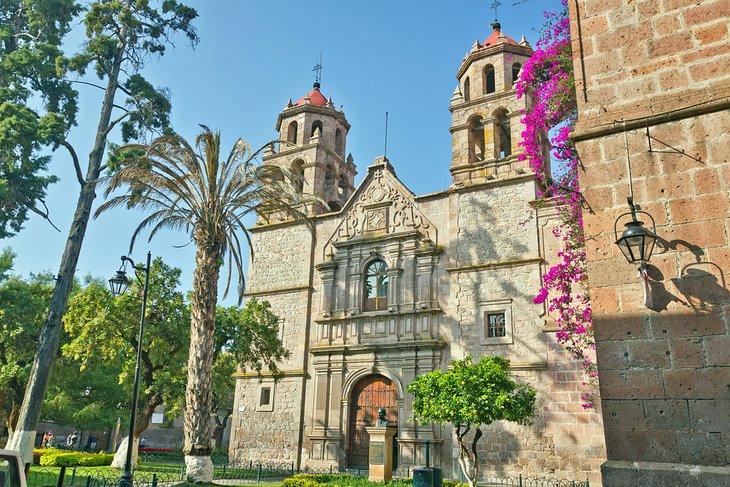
(381,422)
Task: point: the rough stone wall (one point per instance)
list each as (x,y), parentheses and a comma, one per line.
(266,436)
(564,441)
(281,259)
(493,226)
(488,225)
(279,274)
(664,371)
(648,56)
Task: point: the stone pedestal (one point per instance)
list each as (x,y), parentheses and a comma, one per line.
(380,458)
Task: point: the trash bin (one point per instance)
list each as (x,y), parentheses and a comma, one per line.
(438,476)
(422,477)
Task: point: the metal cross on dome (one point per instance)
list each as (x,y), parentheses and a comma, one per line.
(494,5)
(318,69)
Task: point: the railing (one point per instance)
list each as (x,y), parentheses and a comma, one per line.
(244,473)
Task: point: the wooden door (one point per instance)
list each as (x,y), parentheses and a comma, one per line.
(368,395)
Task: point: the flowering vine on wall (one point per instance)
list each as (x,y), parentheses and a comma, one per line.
(549,79)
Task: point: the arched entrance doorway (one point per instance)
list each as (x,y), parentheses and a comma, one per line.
(369,394)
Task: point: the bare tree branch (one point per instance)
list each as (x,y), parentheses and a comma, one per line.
(75,158)
(113,123)
(87,83)
(44,214)
(29,35)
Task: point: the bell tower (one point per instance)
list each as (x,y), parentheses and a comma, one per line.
(313,136)
(485,110)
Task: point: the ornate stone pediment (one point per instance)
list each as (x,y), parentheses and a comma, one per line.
(381,206)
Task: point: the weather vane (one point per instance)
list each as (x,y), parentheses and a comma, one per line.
(318,69)
(494,5)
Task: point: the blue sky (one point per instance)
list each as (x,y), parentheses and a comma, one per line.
(398,56)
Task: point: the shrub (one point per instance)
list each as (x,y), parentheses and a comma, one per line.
(63,458)
(341,480)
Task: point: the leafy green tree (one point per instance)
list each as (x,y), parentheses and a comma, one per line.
(37,105)
(83,399)
(468,396)
(102,336)
(103,329)
(198,192)
(88,399)
(23,305)
(121,36)
(6,263)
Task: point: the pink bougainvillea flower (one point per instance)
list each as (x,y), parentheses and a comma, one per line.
(548,79)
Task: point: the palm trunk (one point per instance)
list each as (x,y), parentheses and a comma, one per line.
(197,444)
(24,436)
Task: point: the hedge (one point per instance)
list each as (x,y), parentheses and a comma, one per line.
(342,480)
(65,458)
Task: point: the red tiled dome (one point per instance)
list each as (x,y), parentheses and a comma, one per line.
(315,97)
(493,39)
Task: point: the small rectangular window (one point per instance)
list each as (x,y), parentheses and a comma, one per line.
(495,325)
(265,399)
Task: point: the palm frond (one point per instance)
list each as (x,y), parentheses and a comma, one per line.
(184,187)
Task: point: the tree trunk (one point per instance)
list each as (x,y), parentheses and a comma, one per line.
(220,426)
(140,425)
(24,436)
(120,456)
(468,465)
(197,444)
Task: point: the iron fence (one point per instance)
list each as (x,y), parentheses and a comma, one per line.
(167,475)
(243,473)
(82,477)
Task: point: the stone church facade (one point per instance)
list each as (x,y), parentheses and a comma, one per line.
(388,285)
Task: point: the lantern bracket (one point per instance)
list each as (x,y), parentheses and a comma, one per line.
(137,268)
(672,150)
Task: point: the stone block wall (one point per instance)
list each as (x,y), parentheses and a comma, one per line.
(660,67)
(488,225)
(634,58)
(262,435)
(497,255)
(279,275)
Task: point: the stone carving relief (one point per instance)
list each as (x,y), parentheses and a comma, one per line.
(382,207)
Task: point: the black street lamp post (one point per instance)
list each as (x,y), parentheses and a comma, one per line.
(119,284)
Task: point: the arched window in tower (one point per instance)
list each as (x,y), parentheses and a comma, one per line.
(489,84)
(503,134)
(342,188)
(316,128)
(467,89)
(516,72)
(297,175)
(291,135)
(476,139)
(339,148)
(376,286)
(329,180)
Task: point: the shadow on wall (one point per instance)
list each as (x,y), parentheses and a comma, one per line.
(701,285)
(561,428)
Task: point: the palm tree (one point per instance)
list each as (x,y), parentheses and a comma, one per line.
(192,189)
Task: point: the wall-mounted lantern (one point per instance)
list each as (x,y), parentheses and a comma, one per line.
(636,242)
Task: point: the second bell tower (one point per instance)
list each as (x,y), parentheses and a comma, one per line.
(485,110)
